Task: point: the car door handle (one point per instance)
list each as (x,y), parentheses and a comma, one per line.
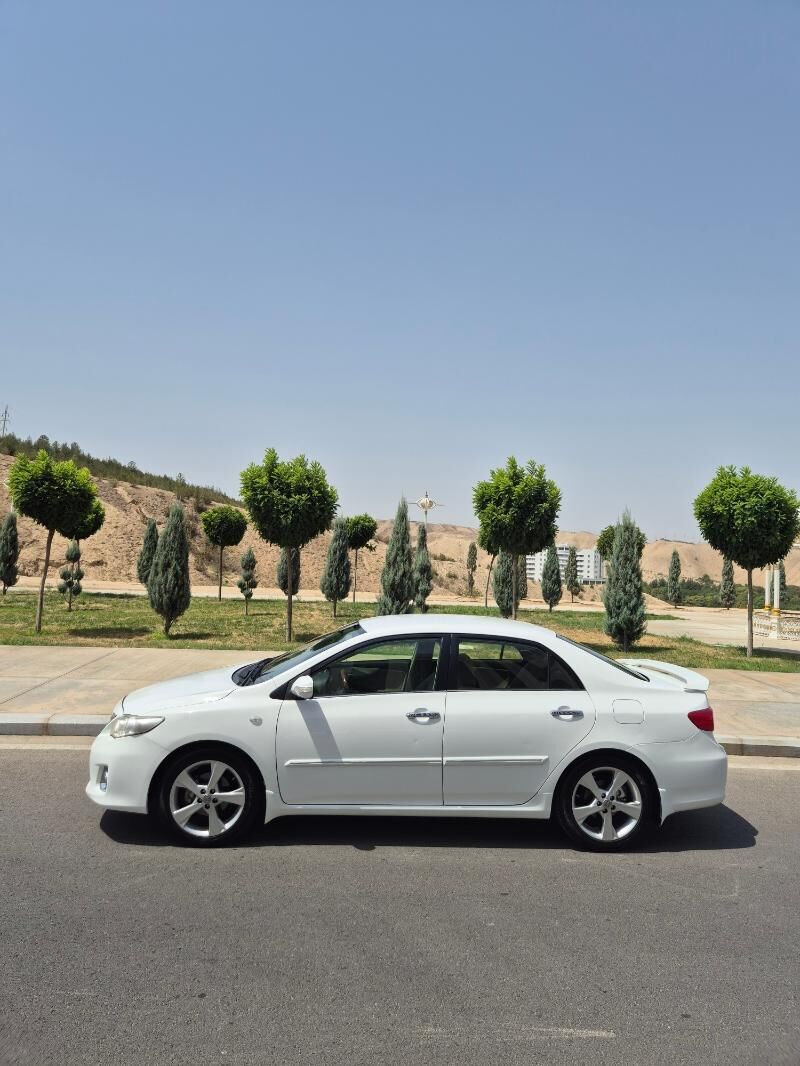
(423,716)
(567,714)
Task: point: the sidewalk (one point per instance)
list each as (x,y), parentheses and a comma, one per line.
(61,691)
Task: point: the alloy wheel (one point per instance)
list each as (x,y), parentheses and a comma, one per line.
(207,799)
(606,804)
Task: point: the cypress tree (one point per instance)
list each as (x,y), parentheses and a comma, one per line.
(247,582)
(71,575)
(782,577)
(522,578)
(9,552)
(674,594)
(335,583)
(147,554)
(571,574)
(397,578)
(282,571)
(624,603)
(472,566)
(503,583)
(423,571)
(551,578)
(727,588)
(168,586)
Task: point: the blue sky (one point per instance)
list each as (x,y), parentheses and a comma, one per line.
(409,240)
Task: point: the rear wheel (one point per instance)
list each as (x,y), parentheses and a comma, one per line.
(606,803)
(210,796)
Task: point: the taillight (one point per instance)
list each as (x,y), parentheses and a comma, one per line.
(703,719)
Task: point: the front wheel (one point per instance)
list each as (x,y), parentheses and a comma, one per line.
(210,796)
(606,803)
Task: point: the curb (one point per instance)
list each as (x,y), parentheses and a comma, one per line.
(89,725)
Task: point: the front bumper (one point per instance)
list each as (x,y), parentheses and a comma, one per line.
(690,773)
(130,763)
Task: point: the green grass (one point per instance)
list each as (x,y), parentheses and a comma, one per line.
(128,621)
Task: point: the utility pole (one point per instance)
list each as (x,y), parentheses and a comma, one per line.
(4,421)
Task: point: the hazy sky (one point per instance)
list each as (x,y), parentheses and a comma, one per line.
(408,239)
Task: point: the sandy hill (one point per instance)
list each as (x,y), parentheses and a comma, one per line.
(111,554)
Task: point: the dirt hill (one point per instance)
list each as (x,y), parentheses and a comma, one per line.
(111,554)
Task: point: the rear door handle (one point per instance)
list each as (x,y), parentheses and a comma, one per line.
(567,714)
(423,716)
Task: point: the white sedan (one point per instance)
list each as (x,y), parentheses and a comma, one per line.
(432,715)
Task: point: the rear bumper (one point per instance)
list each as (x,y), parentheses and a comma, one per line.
(130,763)
(690,773)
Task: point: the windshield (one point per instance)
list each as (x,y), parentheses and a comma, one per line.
(605,659)
(255,673)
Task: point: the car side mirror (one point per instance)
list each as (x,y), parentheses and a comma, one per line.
(303,688)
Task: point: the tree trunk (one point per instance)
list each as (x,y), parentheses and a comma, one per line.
(246,606)
(40,601)
(334,608)
(289,586)
(219,590)
(749,614)
(167,624)
(488,579)
(514,577)
(355,574)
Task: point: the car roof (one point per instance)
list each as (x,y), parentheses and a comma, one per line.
(399,624)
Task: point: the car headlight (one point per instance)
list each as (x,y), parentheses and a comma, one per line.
(133,725)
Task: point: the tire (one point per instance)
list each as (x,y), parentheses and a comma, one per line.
(622,819)
(190,804)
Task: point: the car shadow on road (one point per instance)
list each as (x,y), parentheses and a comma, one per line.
(714,829)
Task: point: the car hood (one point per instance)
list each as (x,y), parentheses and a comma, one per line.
(206,687)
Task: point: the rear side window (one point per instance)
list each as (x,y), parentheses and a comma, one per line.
(508,666)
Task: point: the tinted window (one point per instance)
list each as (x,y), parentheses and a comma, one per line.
(508,666)
(387,666)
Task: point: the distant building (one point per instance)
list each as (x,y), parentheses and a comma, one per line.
(590,564)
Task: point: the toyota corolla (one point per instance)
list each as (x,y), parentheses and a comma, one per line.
(417,715)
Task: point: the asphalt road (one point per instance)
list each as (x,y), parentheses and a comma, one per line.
(365,941)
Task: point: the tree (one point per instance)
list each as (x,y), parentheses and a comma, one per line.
(503,583)
(727,588)
(9,552)
(571,574)
(282,571)
(224,526)
(522,578)
(56,495)
(397,577)
(624,602)
(751,519)
(517,509)
(71,575)
(472,566)
(551,578)
(782,577)
(247,582)
(335,583)
(147,554)
(361,528)
(674,595)
(168,586)
(423,571)
(605,542)
(289,503)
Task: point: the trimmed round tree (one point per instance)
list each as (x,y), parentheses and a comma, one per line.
(551,578)
(571,574)
(423,570)
(56,495)
(472,566)
(751,519)
(605,542)
(674,593)
(335,583)
(517,509)
(624,602)
(503,583)
(727,588)
(282,571)
(247,582)
(289,503)
(169,587)
(71,575)
(149,544)
(9,552)
(361,530)
(397,577)
(224,526)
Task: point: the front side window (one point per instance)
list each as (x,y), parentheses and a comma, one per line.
(508,666)
(400,665)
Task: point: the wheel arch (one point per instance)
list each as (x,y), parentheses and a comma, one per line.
(610,753)
(196,745)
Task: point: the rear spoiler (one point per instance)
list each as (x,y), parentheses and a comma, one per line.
(691,681)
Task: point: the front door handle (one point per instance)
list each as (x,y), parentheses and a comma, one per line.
(423,716)
(567,714)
